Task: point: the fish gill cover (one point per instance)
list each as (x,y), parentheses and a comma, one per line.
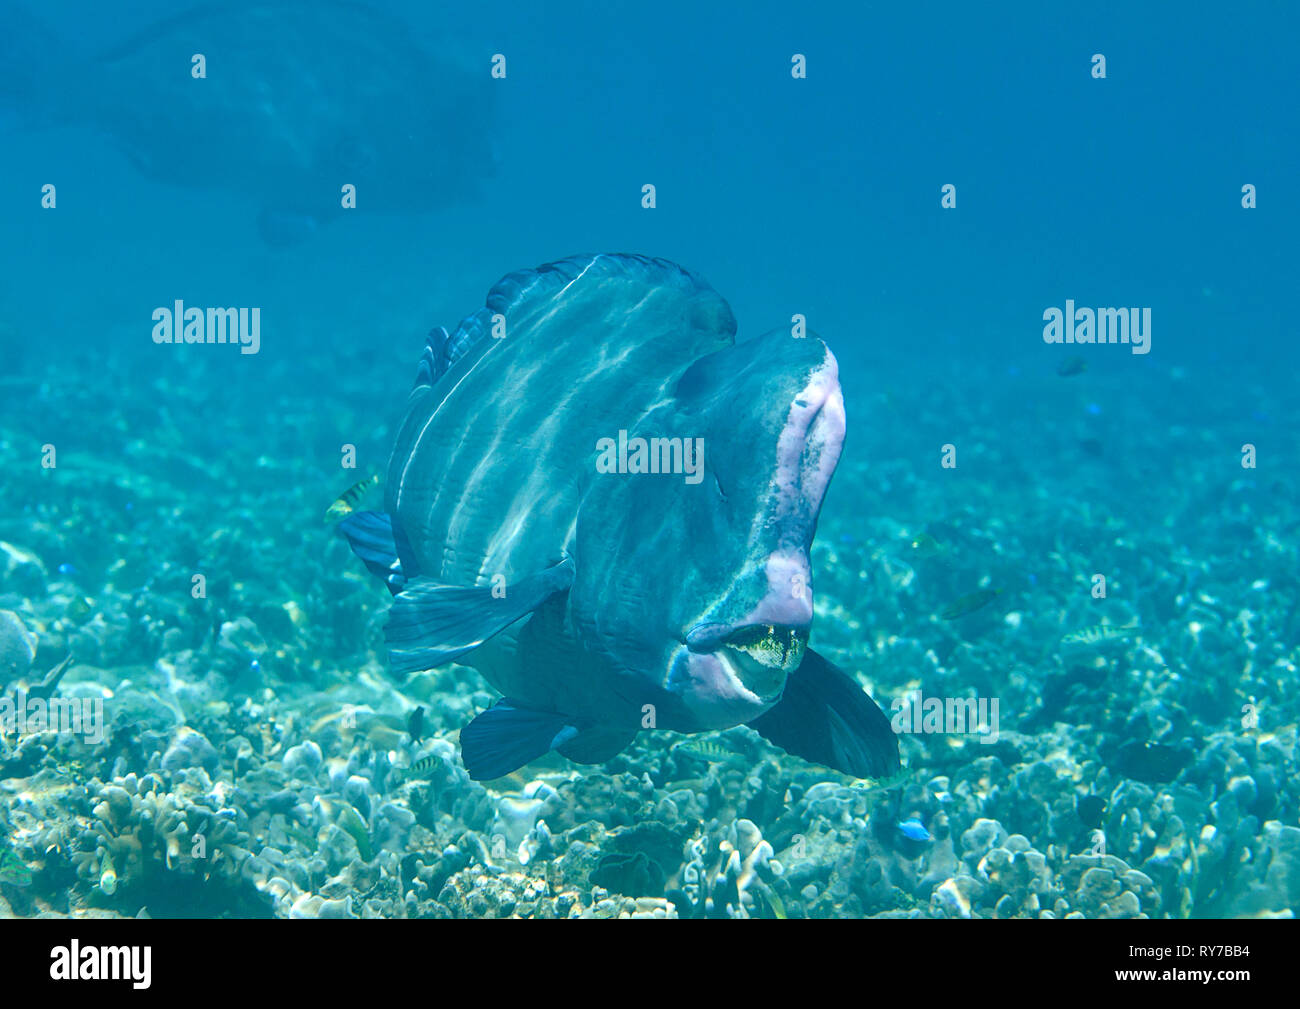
(833,462)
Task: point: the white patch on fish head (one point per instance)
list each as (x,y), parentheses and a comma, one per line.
(740,651)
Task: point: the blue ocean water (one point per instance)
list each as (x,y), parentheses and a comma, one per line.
(799,156)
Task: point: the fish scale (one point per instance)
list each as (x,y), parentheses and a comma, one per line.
(547,441)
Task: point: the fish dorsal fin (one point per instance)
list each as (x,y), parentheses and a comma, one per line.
(524,288)
(522,295)
(443,349)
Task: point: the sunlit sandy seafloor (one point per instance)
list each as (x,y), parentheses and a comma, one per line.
(234,782)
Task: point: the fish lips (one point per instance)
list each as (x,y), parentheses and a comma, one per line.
(748,660)
(712,686)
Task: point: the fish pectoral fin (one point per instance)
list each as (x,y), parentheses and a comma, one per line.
(370,535)
(595,746)
(507,736)
(431,624)
(824,716)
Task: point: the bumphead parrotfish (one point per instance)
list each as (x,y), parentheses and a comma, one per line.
(281,102)
(605,505)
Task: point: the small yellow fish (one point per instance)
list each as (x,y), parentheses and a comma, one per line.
(345,504)
(968,604)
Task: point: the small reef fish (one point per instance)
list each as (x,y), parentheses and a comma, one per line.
(926,546)
(884,784)
(1072,366)
(346,503)
(78,608)
(1098,635)
(914,830)
(1153,763)
(415,724)
(580,549)
(968,604)
(706,749)
(345,816)
(422,767)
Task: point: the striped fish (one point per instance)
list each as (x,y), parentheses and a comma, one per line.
(346,503)
(1098,636)
(603,503)
(707,750)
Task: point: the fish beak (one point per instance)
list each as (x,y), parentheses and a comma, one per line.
(757,657)
(764,683)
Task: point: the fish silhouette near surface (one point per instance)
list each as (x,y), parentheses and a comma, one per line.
(291,102)
(600,598)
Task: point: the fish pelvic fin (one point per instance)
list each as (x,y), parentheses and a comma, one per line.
(431,624)
(825,717)
(507,736)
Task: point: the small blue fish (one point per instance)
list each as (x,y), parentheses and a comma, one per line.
(914,830)
(67,569)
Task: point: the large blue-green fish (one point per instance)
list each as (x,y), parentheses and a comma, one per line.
(297,99)
(528,533)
